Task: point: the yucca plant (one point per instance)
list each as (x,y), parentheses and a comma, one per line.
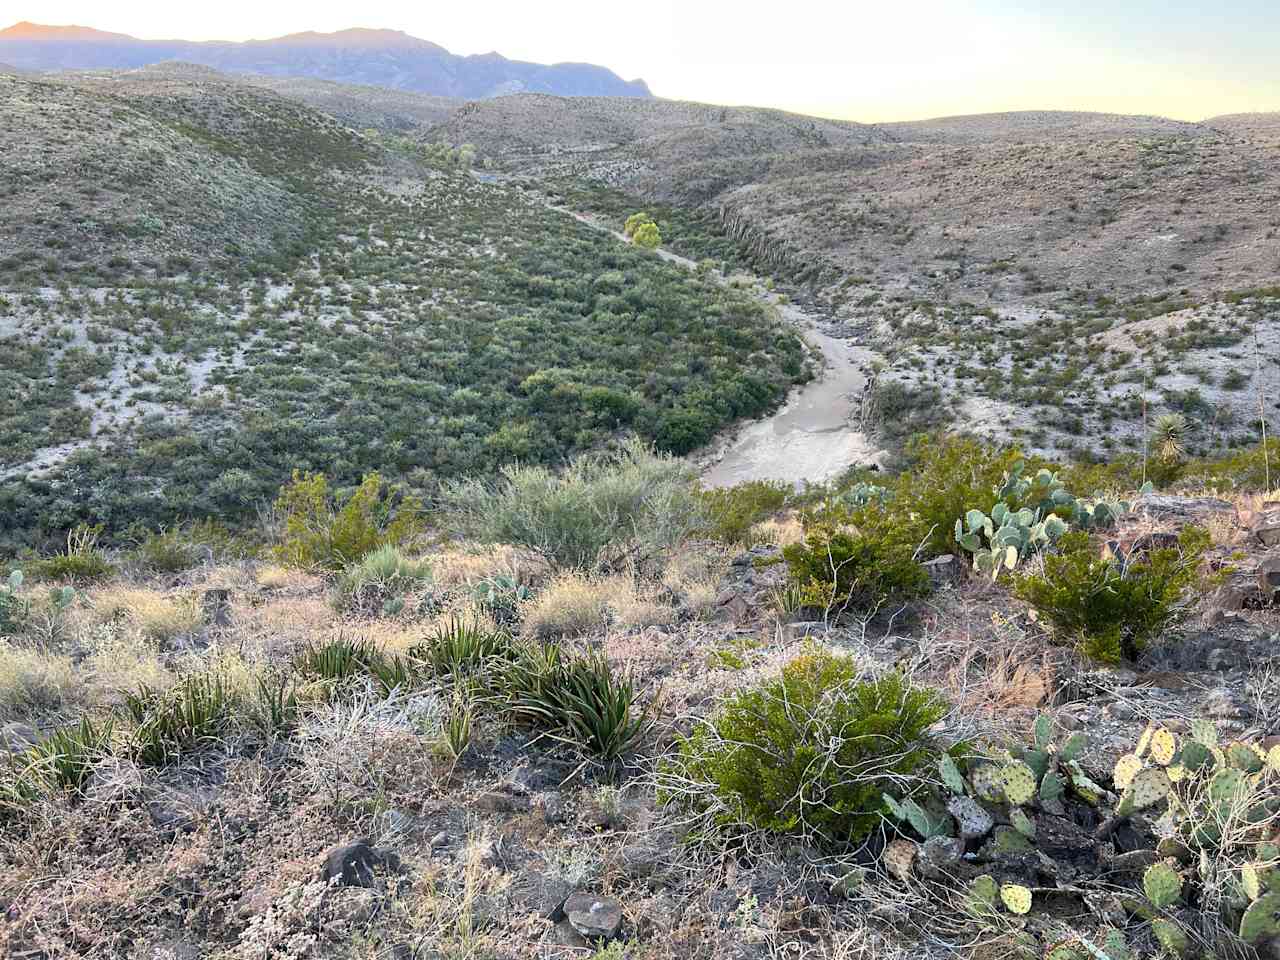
(338,660)
(64,760)
(462,646)
(576,699)
(1170,431)
(171,723)
(276,705)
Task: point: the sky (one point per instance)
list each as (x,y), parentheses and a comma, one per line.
(851,59)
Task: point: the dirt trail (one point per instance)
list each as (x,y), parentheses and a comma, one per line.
(813,437)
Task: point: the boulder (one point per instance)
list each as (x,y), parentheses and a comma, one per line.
(351,864)
(593,916)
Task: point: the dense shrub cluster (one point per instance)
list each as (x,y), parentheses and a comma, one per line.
(810,753)
(1113,608)
(731,512)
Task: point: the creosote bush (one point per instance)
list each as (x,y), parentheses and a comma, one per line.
(1113,608)
(732,512)
(324,530)
(810,753)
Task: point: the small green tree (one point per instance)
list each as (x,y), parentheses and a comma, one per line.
(321,531)
(647,236)
(634,222)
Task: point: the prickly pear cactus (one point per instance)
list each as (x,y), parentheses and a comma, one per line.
(987,783)
(1261,919)
(1225,788)
(1022,823)
(1125,769)
(1162,885)
(983,896)
(1019,782)
(1245,756)
(1149,786)
(1016,898)
(1164,746)
(1171,936)
(951,775)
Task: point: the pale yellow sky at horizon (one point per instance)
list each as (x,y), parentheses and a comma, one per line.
(871,62)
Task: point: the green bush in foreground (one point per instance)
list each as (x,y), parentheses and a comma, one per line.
(379,581)
(731,512)
(1113,609)
(810,753)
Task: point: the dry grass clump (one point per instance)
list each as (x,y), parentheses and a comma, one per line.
(468,565)
(778,531)
(35,682)
(123,659)
(635,607)
(571,605)
(159,618)
(275,577)
(694,575)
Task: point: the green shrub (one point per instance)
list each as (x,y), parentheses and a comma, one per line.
(731,512)
(325,531)
(169,724)
(462,647)
(82,561)
(1113,609)
(501,597)
(577,699)
(167,551)
(856,559)
(1248,469)
(810,753)
(379,581)
(601,504)
(337,661)
(947,475)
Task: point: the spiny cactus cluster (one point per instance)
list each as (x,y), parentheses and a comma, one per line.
(1009,535)
(13,609)
(1211,809)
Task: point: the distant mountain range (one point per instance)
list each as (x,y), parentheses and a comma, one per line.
(387,58)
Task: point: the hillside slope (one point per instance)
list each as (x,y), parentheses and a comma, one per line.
(417,321)
(386,58)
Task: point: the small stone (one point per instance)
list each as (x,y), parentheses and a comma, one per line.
(939,856)
(564,935)
(17,736)
(1222,704)
(354,906)
(351,864)
(595,917)
(553,807)
(804,628)
(441,839)
(1119,710)
(498,801)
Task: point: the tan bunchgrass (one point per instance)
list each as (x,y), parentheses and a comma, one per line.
(779,531)
(158,617)
(464,566)
(34,682)
(571,605)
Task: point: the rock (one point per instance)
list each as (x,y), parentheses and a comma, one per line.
(1119,710)
(500,801)
(939,856)
(18,736)
(1269,579)
(733,609)
(942,570)
(1223,705)
(554,809)
(804,628)
(441,839)
(595,917)
(354,906)
(640,860)
(535,892)
(1181,508)
(1267,530)
(351,864)
(563,935)
(525,780)
(1136,861)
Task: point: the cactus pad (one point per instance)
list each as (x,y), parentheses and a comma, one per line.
(1144,741)
(1125,768)
(1164,745)
(1244,756)
(1006,840)
(1073,747)
(1019,782)
(1149,786)
(1016,898)
(923,822)
(1204,732)
(899,857)
(1171,936)
(1262,919)
(1043,731)
(1251,881)
(1022,823)
(951,775)
(1162,885)
(984,895)
(1225,786)
(1114,945)
(1065,951)
(1194,755)
(1051,787)
(972,818)
(986,782)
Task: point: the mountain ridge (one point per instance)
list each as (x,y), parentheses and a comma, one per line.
(358,55)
